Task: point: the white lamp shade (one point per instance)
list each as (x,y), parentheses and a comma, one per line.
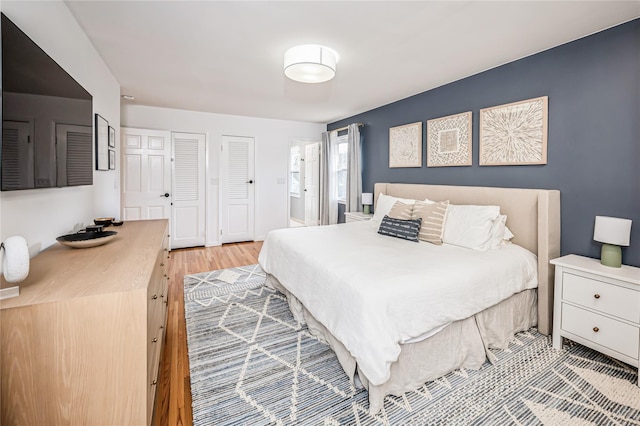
(367,198)
(310,63)
(612,230)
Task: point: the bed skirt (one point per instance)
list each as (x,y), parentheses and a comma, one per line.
(463,343)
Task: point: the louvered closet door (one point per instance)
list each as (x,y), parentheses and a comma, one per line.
(73,148)
(17,155)
(188,211)
(238,189)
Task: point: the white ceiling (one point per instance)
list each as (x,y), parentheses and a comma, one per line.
(226,57)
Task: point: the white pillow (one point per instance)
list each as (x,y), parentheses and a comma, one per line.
(508,235)
(498,231)
(470,226)
(384,205)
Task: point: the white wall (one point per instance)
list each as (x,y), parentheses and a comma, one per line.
(41,215)
(271,154)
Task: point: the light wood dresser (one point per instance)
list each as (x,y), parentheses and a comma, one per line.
(81,343)
(598,306)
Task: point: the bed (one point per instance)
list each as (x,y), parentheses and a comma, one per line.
(392,329)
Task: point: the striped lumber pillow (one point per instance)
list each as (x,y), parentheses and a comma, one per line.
(405,229)
(433,216)
(401,210)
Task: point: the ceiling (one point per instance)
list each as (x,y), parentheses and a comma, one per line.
(227,57)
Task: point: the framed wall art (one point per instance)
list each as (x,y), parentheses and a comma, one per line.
(514,134)
(449,140)
(102,143)
(405,145)
(112,137)
(112,159)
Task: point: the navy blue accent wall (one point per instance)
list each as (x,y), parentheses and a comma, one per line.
(593,85)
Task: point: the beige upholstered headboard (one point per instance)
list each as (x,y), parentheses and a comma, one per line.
(533,215)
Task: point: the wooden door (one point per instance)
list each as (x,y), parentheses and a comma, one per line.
(146,174)
(312,184)
(238,189)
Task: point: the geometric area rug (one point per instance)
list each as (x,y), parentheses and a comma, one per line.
(251,363)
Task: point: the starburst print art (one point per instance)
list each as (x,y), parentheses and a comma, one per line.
(514,133)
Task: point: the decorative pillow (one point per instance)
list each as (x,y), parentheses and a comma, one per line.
(384,205)
(470,226)
(405,229)
(433,219)
(401,210)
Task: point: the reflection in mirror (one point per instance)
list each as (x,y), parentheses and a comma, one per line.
(304,182)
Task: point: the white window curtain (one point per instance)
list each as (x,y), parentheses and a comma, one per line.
(353,199)
(328,184)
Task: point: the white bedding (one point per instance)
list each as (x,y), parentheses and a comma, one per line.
(373,292)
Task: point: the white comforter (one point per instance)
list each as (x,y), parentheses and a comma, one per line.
(373,292)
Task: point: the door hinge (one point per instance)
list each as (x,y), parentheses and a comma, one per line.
(221,147)
(221,232)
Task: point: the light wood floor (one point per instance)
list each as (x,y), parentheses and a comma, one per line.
(173,403)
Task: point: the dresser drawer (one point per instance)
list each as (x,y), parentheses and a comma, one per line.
(601,296)
(615,335)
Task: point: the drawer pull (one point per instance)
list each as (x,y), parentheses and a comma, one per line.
(597,296)
(155,382)
(162,295)
(161,263)
(596,329)
(155,296)
(155,339)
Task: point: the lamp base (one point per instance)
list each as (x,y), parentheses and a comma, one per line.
(367,209)
(611,255)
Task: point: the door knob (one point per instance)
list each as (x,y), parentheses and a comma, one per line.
(166,194)
(251,181)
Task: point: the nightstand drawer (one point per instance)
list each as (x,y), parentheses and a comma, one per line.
(601,296)
(615,335)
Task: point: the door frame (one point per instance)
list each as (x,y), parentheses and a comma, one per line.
(292,142)
(221,182)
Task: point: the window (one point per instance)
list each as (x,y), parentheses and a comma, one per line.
(342,167)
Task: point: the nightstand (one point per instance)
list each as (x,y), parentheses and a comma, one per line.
(356,217)
(598,306)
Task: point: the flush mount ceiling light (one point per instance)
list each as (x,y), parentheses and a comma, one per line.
(310,63)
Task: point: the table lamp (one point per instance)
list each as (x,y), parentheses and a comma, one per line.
(367,201)
(613,232)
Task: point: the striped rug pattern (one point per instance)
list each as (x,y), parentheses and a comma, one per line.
(251,363)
